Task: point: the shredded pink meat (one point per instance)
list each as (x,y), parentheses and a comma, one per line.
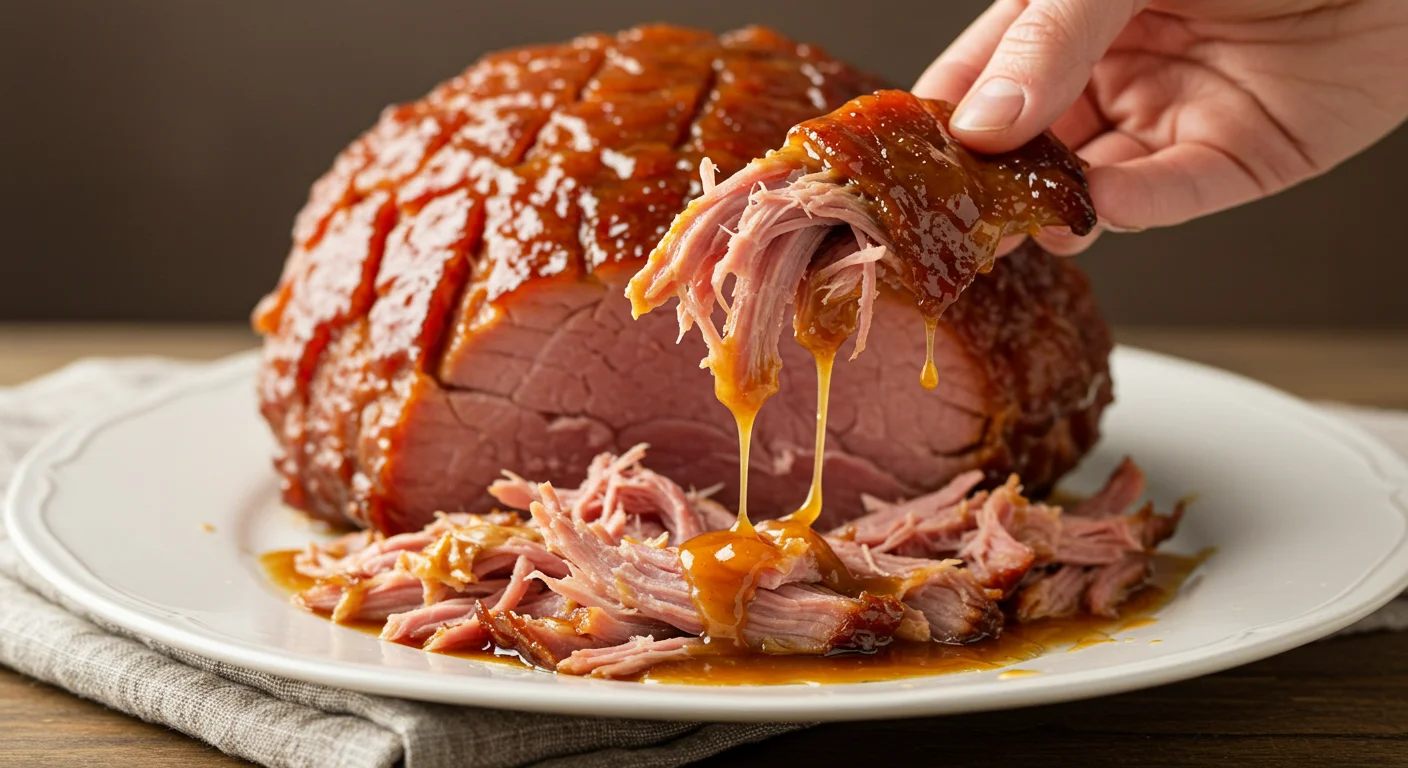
(1112,584)
(923,525)
(956,606)
(623,499)
(371,599)
(1123,488)
(629,658)
(590,585)
(997,559)
(1102,554)
(787,615)
(419,624)
(790,229)
(1053,595)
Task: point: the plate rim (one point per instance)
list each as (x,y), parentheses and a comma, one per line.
(31,486)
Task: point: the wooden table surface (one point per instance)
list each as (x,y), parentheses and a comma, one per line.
(1338,702)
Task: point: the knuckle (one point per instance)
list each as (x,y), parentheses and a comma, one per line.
(1045,25)
(1060,29)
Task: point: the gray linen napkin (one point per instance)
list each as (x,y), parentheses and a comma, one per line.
(280,722)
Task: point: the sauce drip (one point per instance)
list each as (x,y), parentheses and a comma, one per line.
(744,420)
(929,375)
(744,398)
(811,508)
(723,567)
(822,330)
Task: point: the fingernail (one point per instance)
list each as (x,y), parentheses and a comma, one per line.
(994,106)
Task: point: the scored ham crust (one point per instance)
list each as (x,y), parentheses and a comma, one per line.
(453,303)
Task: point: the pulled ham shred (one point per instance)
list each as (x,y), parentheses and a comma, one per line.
(590,582)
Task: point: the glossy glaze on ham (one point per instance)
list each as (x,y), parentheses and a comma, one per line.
(453,303)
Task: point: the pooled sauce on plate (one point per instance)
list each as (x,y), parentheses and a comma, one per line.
(278,567)
(1019,643)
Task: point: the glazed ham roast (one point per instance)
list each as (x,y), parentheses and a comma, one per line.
(453,306)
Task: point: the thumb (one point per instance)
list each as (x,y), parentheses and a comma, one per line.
(1038,70)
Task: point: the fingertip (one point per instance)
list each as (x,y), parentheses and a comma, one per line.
(946,81)
(1037,71)
(989,118)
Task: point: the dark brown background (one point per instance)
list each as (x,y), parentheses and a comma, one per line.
(154,153)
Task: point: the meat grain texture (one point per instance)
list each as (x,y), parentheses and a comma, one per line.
(453,305)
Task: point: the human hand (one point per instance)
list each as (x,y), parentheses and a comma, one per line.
(1181,107)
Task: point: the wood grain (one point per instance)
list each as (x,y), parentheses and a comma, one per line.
(43,726)
(1339,702)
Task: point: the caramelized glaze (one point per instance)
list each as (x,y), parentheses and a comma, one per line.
(943,207)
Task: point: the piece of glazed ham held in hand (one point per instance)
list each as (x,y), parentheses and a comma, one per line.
(877,192)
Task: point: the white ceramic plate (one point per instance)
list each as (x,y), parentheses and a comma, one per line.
(1308,515)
